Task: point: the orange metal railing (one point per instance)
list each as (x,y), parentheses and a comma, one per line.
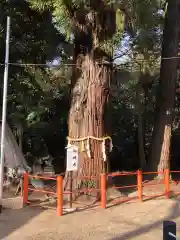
(167,183)
(140,184)
(159,182)
(103,190)
(104,186)
(58,193)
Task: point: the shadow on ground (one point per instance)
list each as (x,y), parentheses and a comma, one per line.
(174,213)
(13,219)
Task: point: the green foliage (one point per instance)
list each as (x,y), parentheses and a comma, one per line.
(32,97)
(138,19)
(38,97)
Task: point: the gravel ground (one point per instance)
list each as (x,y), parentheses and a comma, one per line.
(125,221)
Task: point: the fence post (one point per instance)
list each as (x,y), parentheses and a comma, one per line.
(25,189)
(140,186)
(169,230)
(103,190)
(166,181)
(59,195)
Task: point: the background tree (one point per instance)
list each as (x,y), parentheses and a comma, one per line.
(166,90)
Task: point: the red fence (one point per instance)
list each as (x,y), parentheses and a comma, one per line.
(139,186)
(85,189)
(58,193)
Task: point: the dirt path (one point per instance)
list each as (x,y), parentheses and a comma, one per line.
(125,221)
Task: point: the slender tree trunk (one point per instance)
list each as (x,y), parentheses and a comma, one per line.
(166,94)
(140,127)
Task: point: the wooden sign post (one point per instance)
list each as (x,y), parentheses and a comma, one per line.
(72,162)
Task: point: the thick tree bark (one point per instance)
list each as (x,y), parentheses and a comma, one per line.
(166,94)
(90,86)
(87,115)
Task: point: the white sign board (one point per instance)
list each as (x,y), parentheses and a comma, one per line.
(72,158)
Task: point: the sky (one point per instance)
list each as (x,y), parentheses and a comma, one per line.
(122,50)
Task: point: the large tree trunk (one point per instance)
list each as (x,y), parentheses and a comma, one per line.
(166,94)
(90,88)
(87,115)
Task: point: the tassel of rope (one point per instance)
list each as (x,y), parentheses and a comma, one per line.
(104,150)
(103,139)
(88,148)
